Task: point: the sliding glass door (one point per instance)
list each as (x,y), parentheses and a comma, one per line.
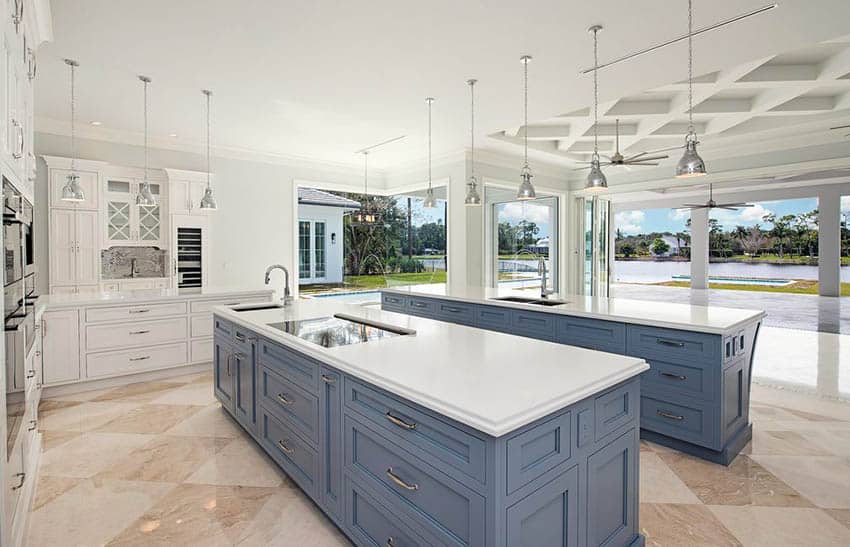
(595,245)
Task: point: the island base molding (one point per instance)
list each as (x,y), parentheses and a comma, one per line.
(723,457)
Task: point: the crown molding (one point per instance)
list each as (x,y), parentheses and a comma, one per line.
(60,162)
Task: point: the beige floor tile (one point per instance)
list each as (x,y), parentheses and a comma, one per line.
(191,378)
(150,418)
(680,525)
(783,443)
(743,482)
(198,393)
(141,391)
(84,417)
(194,514)
(54,437)
(90,453)
(841,515)
(240,463)
(823,480)
(836,442)
(51,487)
(659,484)
(92,512)
(772,526)
(46,406)
(210,421)
(289,518)
(165,459)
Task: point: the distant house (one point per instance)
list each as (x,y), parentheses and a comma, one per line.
(675,246)
(320,237)
(541,246)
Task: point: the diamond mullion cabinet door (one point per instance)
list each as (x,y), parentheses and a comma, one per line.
(89,183)
(60,342)
(119,199)
(63,247)
(87,247)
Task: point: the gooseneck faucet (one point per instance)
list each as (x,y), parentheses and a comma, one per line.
(541,269)
(287,296)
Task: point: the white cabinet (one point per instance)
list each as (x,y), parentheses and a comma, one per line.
(61,346)
(75,251)
(184,196)
(89,181)
(126,222)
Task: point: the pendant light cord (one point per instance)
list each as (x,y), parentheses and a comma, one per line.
(596,95)
(208,93)
(429,100)
(691,67)
(145,81)
(472,126)
(73,65)
(525,109)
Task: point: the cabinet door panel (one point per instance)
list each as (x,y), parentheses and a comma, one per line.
(61,346)
(62,247)
(223,374)
(244,403)
(330,415)
(88,248)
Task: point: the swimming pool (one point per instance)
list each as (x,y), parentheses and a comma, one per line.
(353,297)
(741,280)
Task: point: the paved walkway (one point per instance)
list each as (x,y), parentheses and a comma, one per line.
(793,311)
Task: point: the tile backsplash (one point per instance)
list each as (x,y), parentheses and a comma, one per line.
(117,262)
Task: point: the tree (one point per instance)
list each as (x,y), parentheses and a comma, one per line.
(753,241)
(627,250)
(660,247)
(780,230)
(432,235)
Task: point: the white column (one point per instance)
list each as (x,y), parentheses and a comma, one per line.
(699,249)
(829,242)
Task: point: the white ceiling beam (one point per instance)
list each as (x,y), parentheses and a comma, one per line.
(782,73)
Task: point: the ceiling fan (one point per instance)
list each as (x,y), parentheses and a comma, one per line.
(643,158)
(711,204)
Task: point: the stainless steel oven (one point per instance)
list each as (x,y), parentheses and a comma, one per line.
(13,236)
(28,239)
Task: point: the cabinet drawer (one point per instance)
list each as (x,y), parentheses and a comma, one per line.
(615,408)
(206,306)
(202,351)
(533,324)
(124,313)
(682,379)
(223,328)
(493,318)
(421,306)
(243,340)
(671,345)
(290,403)
(372,523)
(447,508)
(295,456)
(393,302)
(442,440)
(139,333)
(591,333)
(536,451)
(455,312)
(130,361)
(201,325)
(295,367)
(688,422)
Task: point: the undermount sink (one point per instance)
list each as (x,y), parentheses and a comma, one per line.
(256,307)
(527,300)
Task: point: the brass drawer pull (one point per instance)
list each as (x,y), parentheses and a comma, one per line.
(671,343)
(286,449)
(327,379)
(144,358)
(399,422)
(674,376)
(669,416)
(283,399)
(395,478)
(139,311)
(139,331)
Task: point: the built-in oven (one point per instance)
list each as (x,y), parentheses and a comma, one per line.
(13,236)
(20,336)
(28,239)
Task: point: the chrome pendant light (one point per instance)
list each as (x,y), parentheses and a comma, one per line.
(72,191)
(473,198)
(145,196)
(691,164)
(430,201)
(526,189)
(596,181)
(208,201)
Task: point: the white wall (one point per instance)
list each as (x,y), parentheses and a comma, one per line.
(332,216)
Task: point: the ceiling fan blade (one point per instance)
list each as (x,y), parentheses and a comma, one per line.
(693,206)
(668,149)
(741,205)
(646,158)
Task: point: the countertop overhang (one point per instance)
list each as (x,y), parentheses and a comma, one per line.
(708,319)
(492,382)
(140,296)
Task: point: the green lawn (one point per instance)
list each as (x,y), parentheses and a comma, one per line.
(373,282)
(800,287)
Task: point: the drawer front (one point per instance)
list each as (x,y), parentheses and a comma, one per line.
(675,346)
(130,361)
(243,340)
(202,350)
(222,328)
(616,408)
(449,509)
(201,325)
(138,333)
(372,523)
(145,311)
(294,455)
(421,306)
(295,367)
(688,422)
(681,379)
(290,403)
(536,451)
(393,302)
(424,432)
(206,306)
(591,333)
(493,318)
(456,312)
(533,324)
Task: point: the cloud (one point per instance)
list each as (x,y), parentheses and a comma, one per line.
(629,222)
(845,203)
(516,211)
(746,216)
(679,214)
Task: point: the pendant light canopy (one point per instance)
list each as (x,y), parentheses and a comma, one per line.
(596,181)
(72,191)
(145,196)
(691,164)
(208,201)
(526,188)
(473,198)
(430,201)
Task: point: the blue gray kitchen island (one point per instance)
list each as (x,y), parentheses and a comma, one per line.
(406,430)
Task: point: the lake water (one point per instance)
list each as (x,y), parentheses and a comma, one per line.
(636,271)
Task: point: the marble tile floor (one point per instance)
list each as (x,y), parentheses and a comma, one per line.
(140,465)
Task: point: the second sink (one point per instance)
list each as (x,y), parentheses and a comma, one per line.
(528,300)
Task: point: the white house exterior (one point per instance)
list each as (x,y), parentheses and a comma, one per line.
(674,245)
(320,236)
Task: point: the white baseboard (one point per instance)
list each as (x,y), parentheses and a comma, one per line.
(104,383)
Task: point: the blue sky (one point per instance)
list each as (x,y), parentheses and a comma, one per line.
(420,214)
(670,220)
(516,211)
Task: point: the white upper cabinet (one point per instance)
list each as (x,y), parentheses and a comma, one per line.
(126,222)
(89,181)
(185,190)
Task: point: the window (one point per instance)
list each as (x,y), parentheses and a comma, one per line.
(303,250)
(312,260)
(319,237)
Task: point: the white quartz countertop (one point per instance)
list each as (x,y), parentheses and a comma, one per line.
(709,319)
(56,301)
(490,381)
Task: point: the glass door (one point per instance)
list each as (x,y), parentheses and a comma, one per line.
(595,245)
(312,251)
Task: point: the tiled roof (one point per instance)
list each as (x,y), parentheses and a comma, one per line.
(311,196)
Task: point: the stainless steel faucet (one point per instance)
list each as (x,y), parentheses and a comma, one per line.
(541,269)
(287,295)
(133,269)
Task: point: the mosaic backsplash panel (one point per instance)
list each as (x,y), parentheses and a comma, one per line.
(117,262)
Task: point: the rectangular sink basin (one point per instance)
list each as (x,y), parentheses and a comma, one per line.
(527,300)
(256,307)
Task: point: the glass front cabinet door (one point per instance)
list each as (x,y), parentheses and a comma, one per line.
(126,222)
